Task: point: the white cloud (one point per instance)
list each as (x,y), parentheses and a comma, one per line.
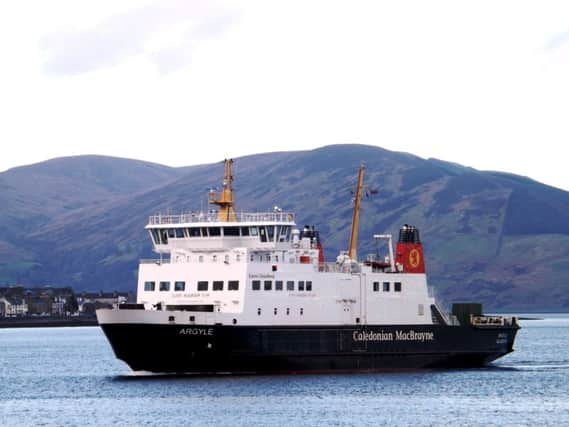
(183,82)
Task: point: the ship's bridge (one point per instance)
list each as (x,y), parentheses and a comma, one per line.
(205,231)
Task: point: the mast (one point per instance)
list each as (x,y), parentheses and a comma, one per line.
(356,218)
(225,199)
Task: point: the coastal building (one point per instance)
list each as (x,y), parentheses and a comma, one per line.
(13,306)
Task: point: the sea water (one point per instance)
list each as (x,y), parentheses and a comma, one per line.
(69,376)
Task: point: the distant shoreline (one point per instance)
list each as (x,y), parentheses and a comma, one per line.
(47,322)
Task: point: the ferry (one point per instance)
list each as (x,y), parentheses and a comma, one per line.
(251,293)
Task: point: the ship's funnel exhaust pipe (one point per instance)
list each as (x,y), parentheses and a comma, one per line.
(409,251)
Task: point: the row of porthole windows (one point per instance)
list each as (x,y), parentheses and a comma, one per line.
(202,285)
(386,286)
(301,286)
(276,311)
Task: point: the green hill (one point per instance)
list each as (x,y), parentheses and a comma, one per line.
(492,237)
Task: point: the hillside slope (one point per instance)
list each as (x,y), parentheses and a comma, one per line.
(493,237)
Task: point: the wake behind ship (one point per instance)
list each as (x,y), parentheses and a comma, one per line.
(251,293)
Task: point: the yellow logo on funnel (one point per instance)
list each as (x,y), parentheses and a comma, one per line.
(414,258)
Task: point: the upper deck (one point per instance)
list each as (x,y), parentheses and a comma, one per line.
(212,217)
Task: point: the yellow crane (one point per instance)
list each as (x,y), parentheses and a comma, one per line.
(356,217)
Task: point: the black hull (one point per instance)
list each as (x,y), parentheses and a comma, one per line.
(216,349)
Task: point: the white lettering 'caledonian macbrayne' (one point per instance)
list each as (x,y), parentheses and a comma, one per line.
(389,336)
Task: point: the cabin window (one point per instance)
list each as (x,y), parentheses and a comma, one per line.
(421,310)
(275,311)
(376,286)
(301,285)
(233,285)
(231,231)
(214,231)
(301,311)
(278,285)
(263,234)
(164,286)
(226,259)
(397,286)
(217,285)
(202,285)
(252,257)
(268,258)
(290,285)
(200,258)
(256,285)
(254,231)
(179,233)
(179,286)
(271,233)
(194,232)
(244,231)
(238,258)
(267,285)
(149,286)
(258,312)
(308,285)
(385,286)
(287,311)
(214,258)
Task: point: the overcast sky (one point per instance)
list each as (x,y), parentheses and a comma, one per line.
(481,83)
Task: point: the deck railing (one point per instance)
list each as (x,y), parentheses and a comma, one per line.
(200,217)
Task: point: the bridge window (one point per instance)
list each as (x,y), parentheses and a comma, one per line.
(164,236)
(149,286)
(179,286)
(204,232)
(268,285)
(256,285)
(233,285)
(385,286)
(155,236)
(301,285)
(179,233)
(271,233)
(244,231)
(164,286)
(254,231)
(194,232)
(231,231)
(308,285)
(376,286)
(263,234)
(214,231)
(202,285)
(397,286)
(290,285)
(278,285)
(218,285)
(171,232)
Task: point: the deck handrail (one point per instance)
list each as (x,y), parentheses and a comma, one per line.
(204,217)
